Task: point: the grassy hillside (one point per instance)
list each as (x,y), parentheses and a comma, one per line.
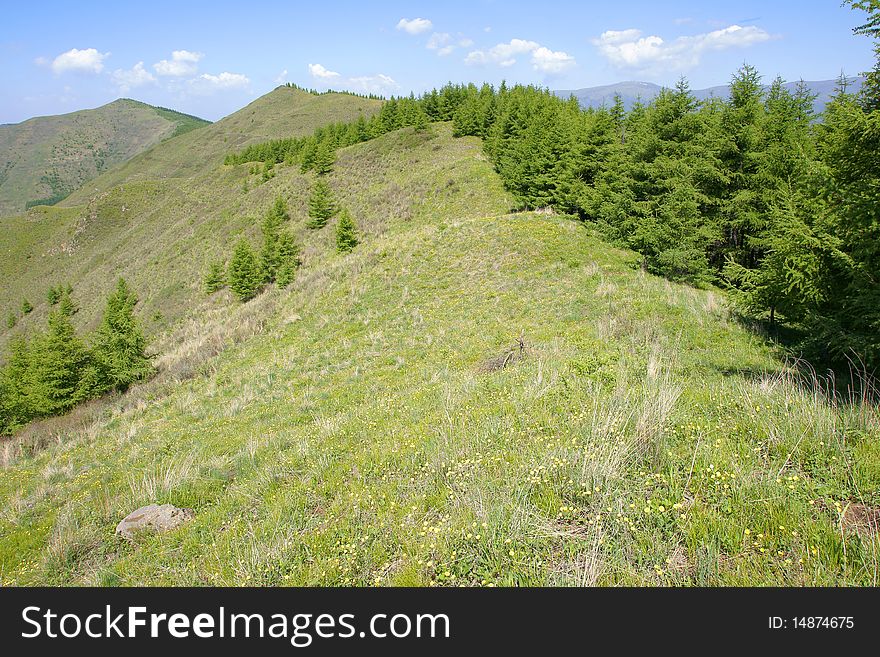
(156,219)
(284,112)
(46,158)
(378,423)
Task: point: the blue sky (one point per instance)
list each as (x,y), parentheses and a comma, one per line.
(210,59)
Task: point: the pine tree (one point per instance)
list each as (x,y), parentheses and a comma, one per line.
(119,345)
(245,277)
(26,307)
(53,295)
(325,156)
(215,279)
(288,254)
(307,154)
(67,306)
(16,401)
(346,233)
(742,153)
(270,259)
(58,360)
(321,205)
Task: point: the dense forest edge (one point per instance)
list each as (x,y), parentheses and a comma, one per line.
(754,193)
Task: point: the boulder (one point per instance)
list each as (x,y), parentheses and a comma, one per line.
(153,518)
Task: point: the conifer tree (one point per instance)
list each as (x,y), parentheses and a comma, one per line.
(270,259)
(288,254)
(325,156)
(67,306)
(321,205)
(58,360)
(16,405)
(346,233)
(26,307)
(245,277)
(10,320)
(119,345)
(307,154)
(53,295)
(215,279)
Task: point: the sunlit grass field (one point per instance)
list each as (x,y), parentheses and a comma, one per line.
(472,397)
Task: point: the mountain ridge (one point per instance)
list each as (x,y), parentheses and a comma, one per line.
(45,158)
(632,91)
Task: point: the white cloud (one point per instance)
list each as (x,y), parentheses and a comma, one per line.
(550,61)
(438,40)
(319,71)
(374,84)
(442,42)
(505,54)
(137,76)
(221,82)
(414,26)
(282,77)
(84,61)
(181,64)
(629,49)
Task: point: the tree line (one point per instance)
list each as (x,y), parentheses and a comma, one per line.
(753,192)
(51,371)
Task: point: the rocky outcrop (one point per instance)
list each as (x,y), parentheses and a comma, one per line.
(153,518)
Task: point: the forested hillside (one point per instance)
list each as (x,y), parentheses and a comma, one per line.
(751,194)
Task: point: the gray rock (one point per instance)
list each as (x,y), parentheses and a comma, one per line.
(154,518)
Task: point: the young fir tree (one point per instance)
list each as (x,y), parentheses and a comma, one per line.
(67,306)
(16,407)
(321,205)
(119,346)
(346,233)
(743,213)
(215,279)
(10,320)
(308,154)
(53,295)
(270,259)
(792,278)
(58,361)
(245,277)
(288,254)
(26,307)
(325,156)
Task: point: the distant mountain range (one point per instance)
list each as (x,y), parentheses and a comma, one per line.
(631,92)
(44,159)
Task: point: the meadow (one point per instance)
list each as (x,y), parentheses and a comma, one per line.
(472,397)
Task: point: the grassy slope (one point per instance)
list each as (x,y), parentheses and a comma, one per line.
(54,155)
(150,223)
(353,435)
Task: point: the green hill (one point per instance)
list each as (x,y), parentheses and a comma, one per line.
(284,112)
(157,219)
(472,396)
(44,159)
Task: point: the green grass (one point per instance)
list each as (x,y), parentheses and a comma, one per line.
(157,219)
(353,430)
(44,159)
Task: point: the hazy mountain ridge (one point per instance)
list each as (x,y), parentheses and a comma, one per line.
(632,91)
